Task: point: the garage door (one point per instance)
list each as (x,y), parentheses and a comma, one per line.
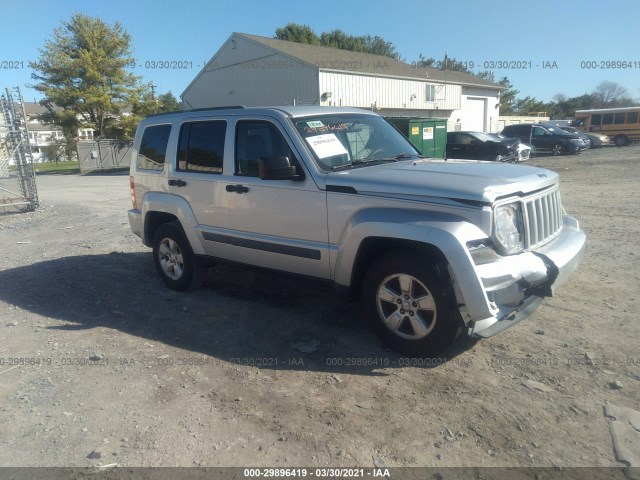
(475,114)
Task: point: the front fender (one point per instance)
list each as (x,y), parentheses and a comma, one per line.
(176,206)
(448,233)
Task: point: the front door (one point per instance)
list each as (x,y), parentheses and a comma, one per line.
(279,224)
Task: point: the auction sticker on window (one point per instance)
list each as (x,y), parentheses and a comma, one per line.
(326,145)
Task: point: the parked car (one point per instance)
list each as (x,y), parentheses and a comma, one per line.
(597,139)
(546,139)
(481,146)
(586,141)
(524,150)
(434,249)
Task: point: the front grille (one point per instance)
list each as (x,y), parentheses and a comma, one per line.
(542,218)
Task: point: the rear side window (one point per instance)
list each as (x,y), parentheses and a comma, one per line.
(153,147)
(201,147)
(632,117)
(515,130)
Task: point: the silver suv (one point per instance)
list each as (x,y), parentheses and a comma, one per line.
(433,248)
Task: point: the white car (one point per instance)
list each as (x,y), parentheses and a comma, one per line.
(434,248)
(524,150)
(597,139)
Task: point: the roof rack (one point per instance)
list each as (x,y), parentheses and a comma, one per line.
(206,109)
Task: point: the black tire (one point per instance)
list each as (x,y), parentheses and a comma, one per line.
(558,149)
(621,141)
(174,258)
(437,323)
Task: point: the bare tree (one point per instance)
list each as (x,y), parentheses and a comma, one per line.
(611,94)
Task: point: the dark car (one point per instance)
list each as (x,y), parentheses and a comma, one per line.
(552,140)
(481,146)
(585,138)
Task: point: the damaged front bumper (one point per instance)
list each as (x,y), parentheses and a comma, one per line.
(515,285)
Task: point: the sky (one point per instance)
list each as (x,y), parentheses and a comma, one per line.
(548,47)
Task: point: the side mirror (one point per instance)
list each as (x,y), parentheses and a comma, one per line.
(277,167)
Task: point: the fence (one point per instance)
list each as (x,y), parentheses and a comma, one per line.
(18,188)
(103,155)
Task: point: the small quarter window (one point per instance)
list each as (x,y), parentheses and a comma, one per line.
(153,147)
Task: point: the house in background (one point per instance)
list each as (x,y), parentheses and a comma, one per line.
(251,70)
(43,135)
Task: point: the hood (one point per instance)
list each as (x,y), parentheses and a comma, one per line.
(465,180)
(509,142)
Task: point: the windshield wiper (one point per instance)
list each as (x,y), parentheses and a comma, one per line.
(364,161)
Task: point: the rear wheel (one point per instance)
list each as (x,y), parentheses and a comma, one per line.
(406,305)
(621,141)
(173,257)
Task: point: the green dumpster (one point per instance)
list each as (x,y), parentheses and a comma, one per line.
(429,135)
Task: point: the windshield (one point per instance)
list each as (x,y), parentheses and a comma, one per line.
(343,140)
(560,131)
(485,137)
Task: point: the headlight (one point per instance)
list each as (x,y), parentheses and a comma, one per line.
(508,221)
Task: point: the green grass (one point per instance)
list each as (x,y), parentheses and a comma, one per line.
(61,167)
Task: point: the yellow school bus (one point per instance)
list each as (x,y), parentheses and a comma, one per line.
(621,124)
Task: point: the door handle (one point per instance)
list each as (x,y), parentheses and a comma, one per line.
(177,183)
(237,188)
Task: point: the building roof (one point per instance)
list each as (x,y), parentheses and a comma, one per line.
(33,108)
(327,58)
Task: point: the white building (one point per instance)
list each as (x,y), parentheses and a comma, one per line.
(258,71)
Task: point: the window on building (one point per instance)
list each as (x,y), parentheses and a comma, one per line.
(430,94)
(201,147)
(153,147)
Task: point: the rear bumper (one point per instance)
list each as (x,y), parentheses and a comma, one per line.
(516,285)
(135,222)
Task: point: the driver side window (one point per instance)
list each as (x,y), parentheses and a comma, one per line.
(255,140)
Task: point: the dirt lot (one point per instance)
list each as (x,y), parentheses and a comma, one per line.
(101,364)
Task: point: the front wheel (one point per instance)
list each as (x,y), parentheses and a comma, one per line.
(407,306)
(173,257)
(557,149)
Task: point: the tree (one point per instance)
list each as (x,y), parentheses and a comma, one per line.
(447,63)
(565,107)
(294,32)
(527,106)
(507,97)
(146,104)
(611,94)
(376,45)
(54,151)
(82,70)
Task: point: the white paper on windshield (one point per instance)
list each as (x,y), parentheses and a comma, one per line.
(326,145)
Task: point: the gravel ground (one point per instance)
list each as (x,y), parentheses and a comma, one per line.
(100,364)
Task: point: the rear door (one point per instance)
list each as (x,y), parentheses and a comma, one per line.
(197,172)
